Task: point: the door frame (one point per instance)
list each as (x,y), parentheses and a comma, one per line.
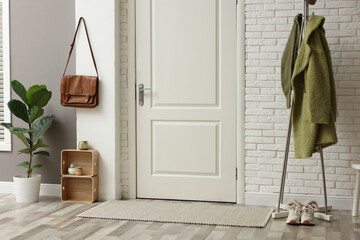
(240,86)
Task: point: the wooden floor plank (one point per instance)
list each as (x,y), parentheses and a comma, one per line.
(203,232)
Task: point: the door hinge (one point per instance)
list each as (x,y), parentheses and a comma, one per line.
(236,174)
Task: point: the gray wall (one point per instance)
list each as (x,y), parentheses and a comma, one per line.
(41,32)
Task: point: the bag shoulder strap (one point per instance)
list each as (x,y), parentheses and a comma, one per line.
(73,43)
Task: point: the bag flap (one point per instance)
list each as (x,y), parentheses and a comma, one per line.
(63,85)
(79,85)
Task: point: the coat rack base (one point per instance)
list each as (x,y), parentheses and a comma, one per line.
(321,209)
(277,215)
(323,216)
(319,215)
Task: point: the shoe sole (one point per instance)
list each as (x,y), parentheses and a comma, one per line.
(293,222)
(307,223)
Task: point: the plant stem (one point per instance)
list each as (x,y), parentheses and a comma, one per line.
(31,152)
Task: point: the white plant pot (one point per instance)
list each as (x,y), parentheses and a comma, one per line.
(27,190)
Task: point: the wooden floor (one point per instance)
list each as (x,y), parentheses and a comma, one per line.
(52,219)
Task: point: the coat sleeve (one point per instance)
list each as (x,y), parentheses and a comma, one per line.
(318,83)
(288,62)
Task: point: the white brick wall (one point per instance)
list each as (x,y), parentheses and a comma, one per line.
(268,23)
(124,164)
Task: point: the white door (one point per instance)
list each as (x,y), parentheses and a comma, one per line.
(186,127)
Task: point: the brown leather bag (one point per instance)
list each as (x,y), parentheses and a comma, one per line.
(79,90)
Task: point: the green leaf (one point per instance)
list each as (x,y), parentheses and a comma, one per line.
(42,125)
(38,144)
(19,109)
(41,98)
(32,90)
(24,164)
(18,132)
(44,153)
(16,129)
(24,151)
(23,139)
(37,166)
(21,130)
(19,89)
(35,112)
(29,171)
(7,125)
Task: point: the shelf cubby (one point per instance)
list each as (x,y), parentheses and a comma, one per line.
(87,159)
(79,189)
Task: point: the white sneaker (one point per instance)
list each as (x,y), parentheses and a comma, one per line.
(308,209)
(294,208)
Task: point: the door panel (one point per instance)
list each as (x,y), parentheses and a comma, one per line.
(178,45)
(186,129)
(192,152)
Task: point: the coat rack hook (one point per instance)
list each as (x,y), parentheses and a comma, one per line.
(311,2)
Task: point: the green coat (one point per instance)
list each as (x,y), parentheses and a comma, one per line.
(289,57)
(314,100)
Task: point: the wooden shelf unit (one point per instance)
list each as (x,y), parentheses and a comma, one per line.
(83,188)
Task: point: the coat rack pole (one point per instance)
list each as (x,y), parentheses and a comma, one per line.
(286,157)
(306,10)
(323,178)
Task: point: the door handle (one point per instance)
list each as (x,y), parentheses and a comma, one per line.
(141,93)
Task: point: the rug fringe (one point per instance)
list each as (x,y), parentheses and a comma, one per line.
(178,222)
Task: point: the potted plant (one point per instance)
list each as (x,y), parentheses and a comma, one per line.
(30,110)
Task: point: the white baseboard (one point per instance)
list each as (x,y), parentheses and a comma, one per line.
(271,199)
(46,189)
(251,198)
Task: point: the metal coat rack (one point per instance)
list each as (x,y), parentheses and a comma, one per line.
(323,213)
